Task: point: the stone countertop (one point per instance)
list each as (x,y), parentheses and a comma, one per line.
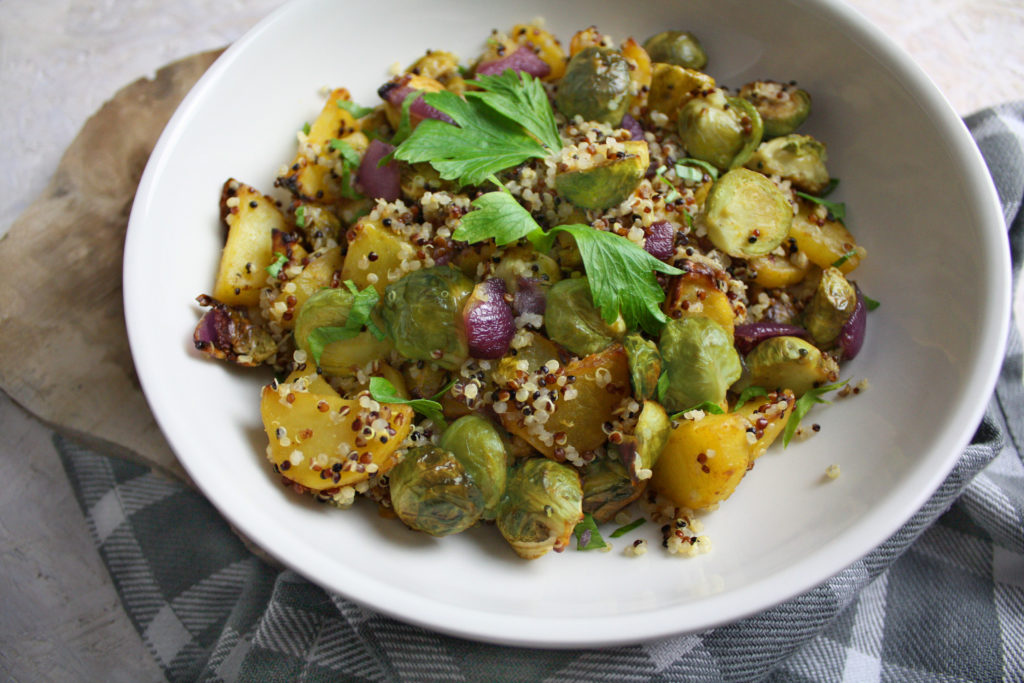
(59,61)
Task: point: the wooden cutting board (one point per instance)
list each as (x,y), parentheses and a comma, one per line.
(65,352)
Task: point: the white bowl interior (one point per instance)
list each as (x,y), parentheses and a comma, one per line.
(919,199)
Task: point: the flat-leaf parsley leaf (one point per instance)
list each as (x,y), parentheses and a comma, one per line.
(385,392)
(803,406)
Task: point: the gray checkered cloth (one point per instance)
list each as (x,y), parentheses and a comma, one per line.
(942,600)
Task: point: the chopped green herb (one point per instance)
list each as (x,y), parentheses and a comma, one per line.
(625,529)
(704,166)
(662,387)
(498,216)
(803,405)
(404,123)
(359,316)
(355,109)
(705,406)
(844,258)
(306,128)
(279,260)
(587,535)
(349,162)
(300,217)
(832,184)
(836,209)
(673,194)
(870,303)
(749,393)
(385,392)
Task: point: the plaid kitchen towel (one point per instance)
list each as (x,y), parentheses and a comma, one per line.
(943,599)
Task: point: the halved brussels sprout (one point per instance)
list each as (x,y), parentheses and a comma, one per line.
(830,307)
(673,86)
(609,182)
(639,451)
(423,315)
(700,360)
(572,320)
(330,308)
(789,363)
(721,130)
(542,504)
(432,492)
(799,159)
(782,106)
(607,488)
(644,365)
(525,262)
(477,444)
(595,86)
(677,47)
(746,214)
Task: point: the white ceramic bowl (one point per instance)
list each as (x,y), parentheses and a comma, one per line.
(919,198)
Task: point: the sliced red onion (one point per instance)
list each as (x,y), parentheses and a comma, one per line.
(661,239)
(530,296)
(226,333)
(633,126)
(379,182)
(395,93)
(851,337)
(490,322)
(749,335)
(523,59)
(214,331)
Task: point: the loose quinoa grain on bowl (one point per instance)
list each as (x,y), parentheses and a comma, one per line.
(547,289)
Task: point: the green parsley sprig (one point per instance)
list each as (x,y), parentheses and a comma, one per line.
(385,392)
(359,316)
(804,405)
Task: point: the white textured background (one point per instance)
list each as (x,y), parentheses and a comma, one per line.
(59,61)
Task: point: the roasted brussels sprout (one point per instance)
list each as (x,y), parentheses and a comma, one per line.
(640,450)
(746,214)
(700,361)
(799,159)
(572,320)
(477,444)
(423,315)
(677,47)
(721,130)
(330,308)
(644,365)
(595,86)
(830,307)
(609,182)
(607,488)
(542,504)
(518,262)
(673,86)
(782,106)
(789,363)
(432,492)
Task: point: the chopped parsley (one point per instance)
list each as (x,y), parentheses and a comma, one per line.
(354,109)
(869,303)
(835,209)
(350,162)
(749,393)
(359,316)
(587,535)
(705,406)
(279,262)
(625,529)
(844,258)
(804,405)
(306,128)
(385,392)
(300,217)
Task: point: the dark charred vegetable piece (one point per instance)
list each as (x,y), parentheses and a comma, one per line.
(851,338)
(595,86)
(379,182)
(721,130)
(639,451)
(830,308)
(477,444)
(700,360)
(542,504)
(746,214)
(782,106)
(608,183)
(572,320)
(432,492)
(607,488)
(489,320)
(523,59)
(423,315)
(799,159)
(226,333)
(677,47)
(749,335)
(789,363)
(644,365)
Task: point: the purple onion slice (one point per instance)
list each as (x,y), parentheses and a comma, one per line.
(379,182)
(660,242)
(530,296)
(395,93)
(489,320)
(636,132)
(851,337)
(523,59)
(749,335)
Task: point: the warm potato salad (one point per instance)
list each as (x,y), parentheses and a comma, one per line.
(550,289)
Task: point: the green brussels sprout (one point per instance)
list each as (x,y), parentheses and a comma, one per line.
(746,214)
(700,360)
(423,315)
(477,444)
(788,363)
(644,365)
(607,488)
(608,183)
(330,308)
(782,106)
(542,504)
(673,86)
(721,130)
(641,449)
(596,86)
(676,47)
(525,262)
(830,307)
(572,320)
(432,492)
(799,159)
